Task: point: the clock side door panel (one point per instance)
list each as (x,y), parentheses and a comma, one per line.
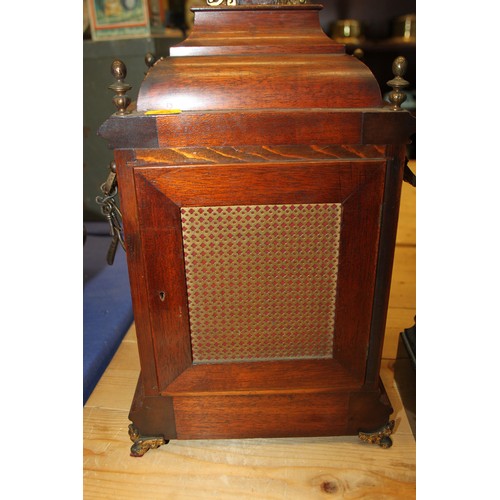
(351,190)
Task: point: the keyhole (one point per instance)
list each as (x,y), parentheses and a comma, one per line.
(162,296)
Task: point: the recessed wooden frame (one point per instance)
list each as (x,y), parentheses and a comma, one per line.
(357,185)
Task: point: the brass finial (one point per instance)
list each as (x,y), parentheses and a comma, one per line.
(119,72)
(149,59)
(359,53)
(397,96)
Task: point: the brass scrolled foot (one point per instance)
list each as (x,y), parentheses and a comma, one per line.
(143,443)
(380,437)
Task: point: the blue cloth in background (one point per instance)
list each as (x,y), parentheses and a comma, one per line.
(107,304)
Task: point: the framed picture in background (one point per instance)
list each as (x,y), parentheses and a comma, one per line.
(113,19)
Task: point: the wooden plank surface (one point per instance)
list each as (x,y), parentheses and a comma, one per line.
(255,468)
(304,468)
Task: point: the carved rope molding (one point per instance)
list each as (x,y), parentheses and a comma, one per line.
(216,3)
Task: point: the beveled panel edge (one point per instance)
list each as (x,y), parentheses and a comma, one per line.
(222,185)
(262,377)
(164,285)
(361,209)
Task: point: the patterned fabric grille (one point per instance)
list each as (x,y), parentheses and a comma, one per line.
(261,281)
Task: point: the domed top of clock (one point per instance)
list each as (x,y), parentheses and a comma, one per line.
(258,57)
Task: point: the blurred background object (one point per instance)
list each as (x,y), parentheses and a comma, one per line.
(405,28)
(347,31)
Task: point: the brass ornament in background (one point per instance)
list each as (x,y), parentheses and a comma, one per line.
(121,101)
(347,31)
(405,28)
(397,96)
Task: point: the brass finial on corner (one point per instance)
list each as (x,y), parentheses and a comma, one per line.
(397,96)
(119,72)
(149,59)
(359,53)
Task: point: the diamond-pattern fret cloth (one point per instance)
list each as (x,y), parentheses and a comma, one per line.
(261,280)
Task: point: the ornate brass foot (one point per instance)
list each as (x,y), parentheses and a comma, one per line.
(380,437)
(143,443)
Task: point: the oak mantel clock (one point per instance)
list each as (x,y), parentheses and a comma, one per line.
(259,174)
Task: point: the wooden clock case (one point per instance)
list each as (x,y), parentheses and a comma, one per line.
(259,176)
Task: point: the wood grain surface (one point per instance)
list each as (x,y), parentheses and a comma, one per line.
(299,468)
(291,468)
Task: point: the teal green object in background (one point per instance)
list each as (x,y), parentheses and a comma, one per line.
(98,102)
